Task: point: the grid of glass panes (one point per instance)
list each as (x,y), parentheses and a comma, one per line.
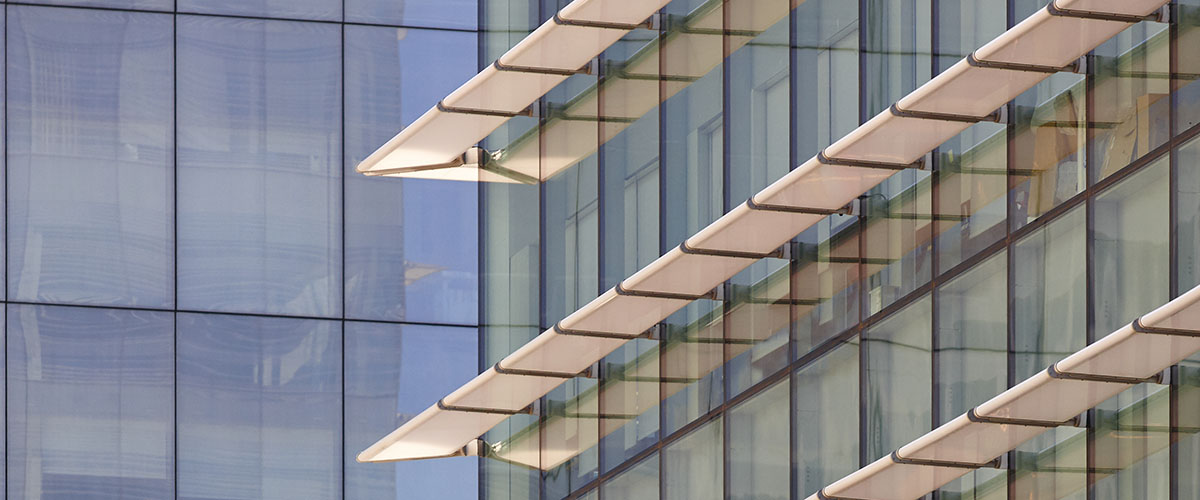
(203,300)
(1025,241)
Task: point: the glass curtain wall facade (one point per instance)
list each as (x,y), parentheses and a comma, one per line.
(203,300)
(1022,243)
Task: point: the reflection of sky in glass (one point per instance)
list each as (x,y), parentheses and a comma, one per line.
(411,245)
(461,14)
(394,372)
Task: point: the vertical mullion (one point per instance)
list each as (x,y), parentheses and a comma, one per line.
(174,249)
(1010,132)
(342,177)
(1090,167)
(1172,248)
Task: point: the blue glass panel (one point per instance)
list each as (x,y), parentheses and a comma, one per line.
(259,407)
(411,245)
(90,153)
(328,10)
(90,403)
(259,143)
(393,373)
(433,13)
(120,4)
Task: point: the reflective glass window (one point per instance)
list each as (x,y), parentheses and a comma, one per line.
(1130,92)
(639,482)
(259,407)
(759,457)
(971,354)
(694,465)
(897,43)
(897,364)
(1048,153)
(759,107)
(692,357)
(90,134)
(825,73)
(432,13)
(629,409)
(1187,214)
(160,5)
(826,429)
(394,372)
(258,180)
(1130,266)
(411,244)
(1188,410)
(326,10)
(825,281)
(90,403)
(1186,83)
(898,249)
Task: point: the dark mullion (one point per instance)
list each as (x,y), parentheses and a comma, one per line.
(1092,175)
(1010,131)
(1173,462)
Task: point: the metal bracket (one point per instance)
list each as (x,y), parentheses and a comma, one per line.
(1053,372)
(993,464)
(766,207)
(441,106)
(599,335)
(1140,328)
(662,295)
(562,21)
(973,416)
(896,110)
(690,250)
(822,496)
(1053,9)
(845,162)
(586,373)
(586,70)
(1078,66)
(441,404)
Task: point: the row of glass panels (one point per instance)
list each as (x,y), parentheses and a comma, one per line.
(764,105)
(452,14)
(131,404)
(206,163)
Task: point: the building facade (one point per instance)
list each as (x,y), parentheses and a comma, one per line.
(202,299)
(1019,243)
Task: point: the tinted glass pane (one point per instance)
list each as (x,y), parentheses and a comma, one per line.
(758,457)
(90,403)
(411,245)
(759,104)
(120,4)
(897,249)
(638,483)
(897,44)
(898,369)
(90,157)
(970,193)
(692,357)
(1187,210)
(1186,86)
(288,9)
(1047,146)
(1131,261)
(259,143)
(825,58)
(259,407)
(694,465)
(434,13)
(393,373)
(827,418)
(629,403)
(1188,409)
(972,358)
(1130,93)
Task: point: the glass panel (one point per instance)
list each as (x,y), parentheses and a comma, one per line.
(827,417)
(411,245)
(433,13)
(572,218)
(1131,261)
(1187,407)
(259,407)
(759,456)
(898,46)
(825,283)
(1130,94)
(759,104)
(1048,153)
(394,372)
(1187,214)
(898,237)
(1130,450)
(166,5)
(90,157)
(693,355)
(327,10)
(1186,85)
(629,410)
(1049,293)
(695,465)
(971,189)
(972,358)
(629,180)
(694,148)
(825,56)
(965,26)
(90,403)
(1052,466)
(259,142)
(757,323)
(896,355)
(640,482)
(572,425)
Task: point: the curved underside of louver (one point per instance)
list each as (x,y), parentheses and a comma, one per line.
(899,138)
